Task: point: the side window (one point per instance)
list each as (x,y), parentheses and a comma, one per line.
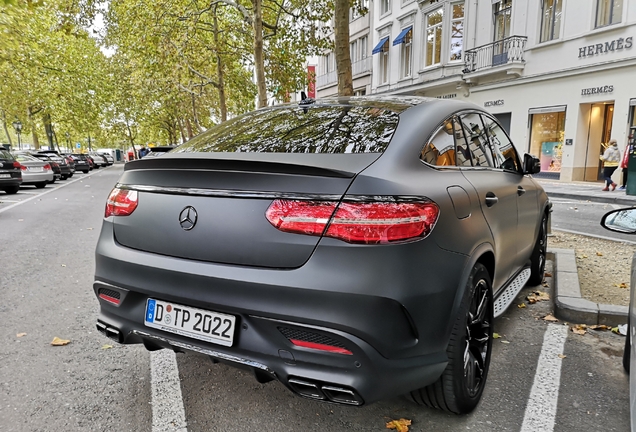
(505,155)
(440,150)
(463,154)
(477,140)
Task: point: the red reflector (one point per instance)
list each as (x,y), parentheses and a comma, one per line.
(301,217)
(320,347)
(121,202)
(109,299)
(356,222)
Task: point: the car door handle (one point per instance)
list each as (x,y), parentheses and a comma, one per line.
(520,190)
(491,199)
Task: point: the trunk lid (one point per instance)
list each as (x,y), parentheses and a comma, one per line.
(225,197)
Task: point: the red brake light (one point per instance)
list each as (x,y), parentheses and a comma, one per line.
(17,164)
(356,222)
(22,167)
(121,202)
(47,167)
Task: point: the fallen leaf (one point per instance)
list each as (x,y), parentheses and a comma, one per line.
(60,342)
(622,285)
(599,327)
(615,330)
(63,265)
(104,347)
(20,334)
(550,318)
(547,274)
(579,329)
(401,425)
(89,229)
(599,254)
(506,342)
(495,336)
(521,306)
(584,256)
(562,356)
(537,296)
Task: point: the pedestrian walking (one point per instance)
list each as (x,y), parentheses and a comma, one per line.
(611,158)
(623,166)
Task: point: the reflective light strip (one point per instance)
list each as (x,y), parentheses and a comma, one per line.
(109,299)
(379,221)
(321,347)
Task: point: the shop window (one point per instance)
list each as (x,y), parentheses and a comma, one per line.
(608,12)
(434,22)
(546,139)
(550,20)
(457,32)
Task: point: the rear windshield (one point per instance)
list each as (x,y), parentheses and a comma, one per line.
(293,129)
(5,155)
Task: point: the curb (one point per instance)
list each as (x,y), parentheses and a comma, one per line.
(569,305)
(618,200)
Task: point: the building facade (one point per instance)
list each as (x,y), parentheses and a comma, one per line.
(560,75)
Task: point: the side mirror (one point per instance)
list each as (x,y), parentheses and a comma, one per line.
(531,164)
(622,221)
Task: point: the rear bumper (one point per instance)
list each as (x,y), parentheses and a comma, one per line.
(392,311)
(37,178)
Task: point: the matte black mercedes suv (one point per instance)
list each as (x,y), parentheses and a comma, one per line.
(353,248)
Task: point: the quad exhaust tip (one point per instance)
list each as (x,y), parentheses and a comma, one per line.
(108,331)
(325,392)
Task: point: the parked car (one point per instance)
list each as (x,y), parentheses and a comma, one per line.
(35,171)
(159,150)
(64,168)
(354,248)
(81,162)
(100,161)
(10,172)
(109,158)
(56,156)
(624,221)
(91,162)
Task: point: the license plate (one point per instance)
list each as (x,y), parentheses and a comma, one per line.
(187,321)
(36,169)
(5,175)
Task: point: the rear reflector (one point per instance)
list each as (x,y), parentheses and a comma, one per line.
(320,347)
(356,222)
(121,202)
(109,299)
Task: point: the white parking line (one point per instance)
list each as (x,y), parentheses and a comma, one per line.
(542,404)
(168,413)
(68,182)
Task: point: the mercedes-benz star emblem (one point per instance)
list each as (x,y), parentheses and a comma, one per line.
(188,218)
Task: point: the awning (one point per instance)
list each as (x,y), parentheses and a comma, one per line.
(402,36)
(378,47)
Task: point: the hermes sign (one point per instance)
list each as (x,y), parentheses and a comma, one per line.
(615,45)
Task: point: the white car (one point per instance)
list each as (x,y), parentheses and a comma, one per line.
(108,156)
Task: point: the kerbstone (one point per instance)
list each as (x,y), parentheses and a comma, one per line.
(567,284)
(612,315)
(576,310)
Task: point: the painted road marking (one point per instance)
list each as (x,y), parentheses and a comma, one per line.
(48,191)
(542,404)
(168,412)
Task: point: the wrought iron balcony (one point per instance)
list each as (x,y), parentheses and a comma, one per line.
(502,52)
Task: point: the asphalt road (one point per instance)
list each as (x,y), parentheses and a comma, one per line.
(46,272)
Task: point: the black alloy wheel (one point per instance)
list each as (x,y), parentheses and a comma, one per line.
(461,385)
(12,190)
(537,260)
(40,185)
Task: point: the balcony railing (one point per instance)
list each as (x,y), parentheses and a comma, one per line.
(357,68)
(501,52)
(361,66)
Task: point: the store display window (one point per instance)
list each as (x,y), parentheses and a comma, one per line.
(546,139)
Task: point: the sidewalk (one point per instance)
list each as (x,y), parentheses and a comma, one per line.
(568,304)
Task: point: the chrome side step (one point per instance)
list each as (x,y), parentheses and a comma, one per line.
(508,295)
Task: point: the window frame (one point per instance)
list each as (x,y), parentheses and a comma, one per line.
(610,15)
(450,37)
(425,38)
(502,12)
(385,65)
(552,25)
(406,55)
(388,7)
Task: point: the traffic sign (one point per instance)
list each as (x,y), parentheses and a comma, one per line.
(78,145)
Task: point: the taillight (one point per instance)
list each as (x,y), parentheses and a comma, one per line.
(47,167)
(121,202)
(356,222)
(22,167)
(17,164)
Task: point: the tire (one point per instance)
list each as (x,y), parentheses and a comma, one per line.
(40,185)
(85,171)
(70,175)
(462,383)
(537,260)
(63,177)
(12,190)
(628,347)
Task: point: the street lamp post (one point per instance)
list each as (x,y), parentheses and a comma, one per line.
(68,142)
(17,125)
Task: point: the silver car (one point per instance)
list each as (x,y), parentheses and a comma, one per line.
(35,171)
